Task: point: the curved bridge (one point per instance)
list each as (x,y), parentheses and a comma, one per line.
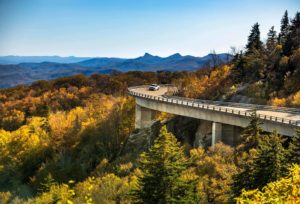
(284,120)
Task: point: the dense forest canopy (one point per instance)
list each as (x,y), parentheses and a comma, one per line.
(60,140)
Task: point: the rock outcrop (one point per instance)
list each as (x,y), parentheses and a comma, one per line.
(141,139)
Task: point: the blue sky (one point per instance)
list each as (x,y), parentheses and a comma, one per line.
(129,28)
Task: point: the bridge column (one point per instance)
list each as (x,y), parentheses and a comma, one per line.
(143,117)
(216,133)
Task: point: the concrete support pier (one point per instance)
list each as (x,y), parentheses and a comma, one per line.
(143,117)
(216,133)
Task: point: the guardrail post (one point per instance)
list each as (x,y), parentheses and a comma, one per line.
(225,110)
(239,112)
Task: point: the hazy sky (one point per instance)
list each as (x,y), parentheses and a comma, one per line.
(129,28)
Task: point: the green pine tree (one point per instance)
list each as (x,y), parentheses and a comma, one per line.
(294,149)
(284,28)
(245,155)
(272,40)
(267,164)
(44,111)
(162,167)
(270,162)
(292,40)
(46,184)
(244,179)
(238,71)
(254,42)
(252,134)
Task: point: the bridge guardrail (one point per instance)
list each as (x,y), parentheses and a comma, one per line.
(201,104)
(245,105)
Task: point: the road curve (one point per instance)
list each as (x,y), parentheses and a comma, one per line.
(290,116)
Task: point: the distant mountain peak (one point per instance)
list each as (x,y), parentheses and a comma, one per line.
(149,58)
(148,55)
(175,56)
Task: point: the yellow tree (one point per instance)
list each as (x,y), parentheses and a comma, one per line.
(215,169)
(285,190)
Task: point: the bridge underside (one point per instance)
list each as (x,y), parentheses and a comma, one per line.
(208,132)
(222,124)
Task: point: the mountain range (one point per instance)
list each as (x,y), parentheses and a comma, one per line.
(11,59)
(16,70)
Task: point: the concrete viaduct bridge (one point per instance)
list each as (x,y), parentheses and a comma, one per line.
(225,119)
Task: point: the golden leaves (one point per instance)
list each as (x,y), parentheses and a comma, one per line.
(285,190)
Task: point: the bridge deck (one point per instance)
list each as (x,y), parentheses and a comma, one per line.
(278,114)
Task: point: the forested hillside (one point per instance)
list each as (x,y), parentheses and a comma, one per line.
(265,72)
(61,140)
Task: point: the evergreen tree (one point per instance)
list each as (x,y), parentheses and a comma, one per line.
(294,149)
(251,135)
(47,183)
(245,178)
(271,41)
(293,36)
(285,190)
(267,164)
(44,111)
(245,154)
(284,28)
(254,42)
(238,71)
(162,167)
(270,162)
